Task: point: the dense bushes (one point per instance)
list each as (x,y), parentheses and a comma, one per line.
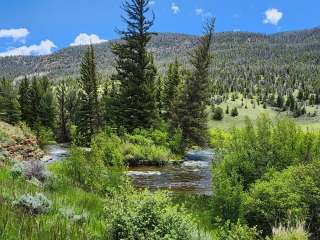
(146,216)
(140,147)
(268,175)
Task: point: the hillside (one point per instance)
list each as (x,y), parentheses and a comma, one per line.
(230,48)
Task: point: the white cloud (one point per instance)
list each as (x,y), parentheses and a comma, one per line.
(273,16)
(85,39)
(202,13)
(15,33)
(175,8)
(45,47)
(199,11)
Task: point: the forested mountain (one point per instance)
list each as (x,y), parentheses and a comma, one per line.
(233,50)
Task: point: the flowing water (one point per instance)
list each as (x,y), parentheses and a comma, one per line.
(193,175)
(56,152)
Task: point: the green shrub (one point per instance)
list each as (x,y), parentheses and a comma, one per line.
(72,216)
(45,136)
(146,216)
(108,146)
(148,155)
(234,112)
(237,231)
(85,169)
(30,170)
(217,114)
(34,205)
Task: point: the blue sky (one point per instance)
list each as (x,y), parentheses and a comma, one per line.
(35,27)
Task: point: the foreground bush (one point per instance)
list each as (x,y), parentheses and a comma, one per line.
(30,170)
(34,205)
(146,216)
(230,231)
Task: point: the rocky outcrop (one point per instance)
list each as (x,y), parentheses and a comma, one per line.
(18,145)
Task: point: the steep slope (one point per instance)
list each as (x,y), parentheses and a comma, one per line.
(230,48)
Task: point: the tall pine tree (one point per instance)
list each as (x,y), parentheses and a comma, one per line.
(194,98)
(136,71)
(25,101)
(88,119)
(171,84)
(9,105)
(63,115)
(47,104)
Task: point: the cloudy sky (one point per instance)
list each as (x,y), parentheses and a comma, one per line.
(37,27)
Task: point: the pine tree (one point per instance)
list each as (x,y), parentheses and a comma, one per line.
(63,115)
(35,98)
(280,101)
(42,104)
(47,104)
(170,88)
(88,114)
(25,101)
(9,105)
(191,108)
(135,69)
(72,101)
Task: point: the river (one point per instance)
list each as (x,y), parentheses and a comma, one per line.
(193,175)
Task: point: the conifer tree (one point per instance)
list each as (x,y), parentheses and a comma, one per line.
(171,87)
(9,105)
(47,104)
(63,115)
(135,69)
(194,99)
(25,101)
(280,101)
(88,114)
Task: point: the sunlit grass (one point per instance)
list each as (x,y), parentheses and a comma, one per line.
(253,112)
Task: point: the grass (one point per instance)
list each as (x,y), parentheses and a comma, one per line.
(228,122)
(16,224)
(290,233)
(200,209)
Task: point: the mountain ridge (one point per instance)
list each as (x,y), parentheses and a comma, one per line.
(229,46)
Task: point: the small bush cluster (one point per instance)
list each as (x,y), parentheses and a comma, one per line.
(237,231)
(146,216)
(34,205)
(30,170)
(73,216)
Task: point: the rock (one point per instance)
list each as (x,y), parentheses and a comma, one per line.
(46,158)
